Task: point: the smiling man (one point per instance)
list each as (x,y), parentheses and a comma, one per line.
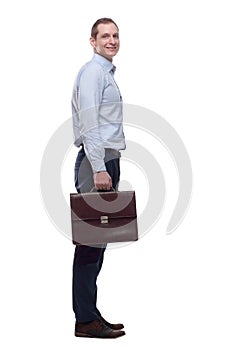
(105,40)
(98,130)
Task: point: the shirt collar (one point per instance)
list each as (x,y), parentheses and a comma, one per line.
(104,62)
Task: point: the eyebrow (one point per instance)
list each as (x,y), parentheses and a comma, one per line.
(117,33)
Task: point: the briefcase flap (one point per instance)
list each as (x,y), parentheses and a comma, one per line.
(103,205)
(103,217)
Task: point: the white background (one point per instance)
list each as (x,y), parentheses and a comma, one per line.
(171,292)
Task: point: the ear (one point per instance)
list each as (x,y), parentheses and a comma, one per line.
(92,42)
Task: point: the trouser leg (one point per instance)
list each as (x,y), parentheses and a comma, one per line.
(88,260)
(86,267)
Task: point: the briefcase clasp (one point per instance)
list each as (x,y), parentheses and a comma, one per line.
(104,219)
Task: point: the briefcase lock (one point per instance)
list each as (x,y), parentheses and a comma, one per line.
(104,219)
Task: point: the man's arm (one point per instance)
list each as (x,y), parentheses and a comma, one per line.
(90,97)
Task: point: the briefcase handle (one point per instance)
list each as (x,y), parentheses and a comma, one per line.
(112,189)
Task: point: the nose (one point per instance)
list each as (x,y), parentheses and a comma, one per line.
(112,40)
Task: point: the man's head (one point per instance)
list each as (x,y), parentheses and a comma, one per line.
(105,38)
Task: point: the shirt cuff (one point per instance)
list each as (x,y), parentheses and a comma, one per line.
(98,165)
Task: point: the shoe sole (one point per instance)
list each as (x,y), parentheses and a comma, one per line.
(77,334)
(85,335)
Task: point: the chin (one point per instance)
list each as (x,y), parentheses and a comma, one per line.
(109,57)
(111,54)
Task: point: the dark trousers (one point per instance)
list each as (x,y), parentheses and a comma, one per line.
(88,260)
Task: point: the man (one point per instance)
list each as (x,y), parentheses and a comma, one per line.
(97,122)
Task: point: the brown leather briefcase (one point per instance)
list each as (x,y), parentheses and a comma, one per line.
(103,217)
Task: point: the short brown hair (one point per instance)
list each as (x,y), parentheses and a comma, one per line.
(94,29)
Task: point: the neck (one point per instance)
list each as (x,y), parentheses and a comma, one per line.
(107,58)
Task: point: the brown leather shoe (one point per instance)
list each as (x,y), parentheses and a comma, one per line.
(96,329)
(115,326)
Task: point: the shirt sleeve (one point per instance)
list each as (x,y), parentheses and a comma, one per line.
(91,87)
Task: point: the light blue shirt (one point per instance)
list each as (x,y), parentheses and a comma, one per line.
(97,111)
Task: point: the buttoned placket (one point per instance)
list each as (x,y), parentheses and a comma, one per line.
(112,71)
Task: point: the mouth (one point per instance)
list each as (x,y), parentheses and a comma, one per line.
(111,47)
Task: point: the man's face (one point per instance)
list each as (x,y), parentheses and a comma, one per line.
(107,41)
